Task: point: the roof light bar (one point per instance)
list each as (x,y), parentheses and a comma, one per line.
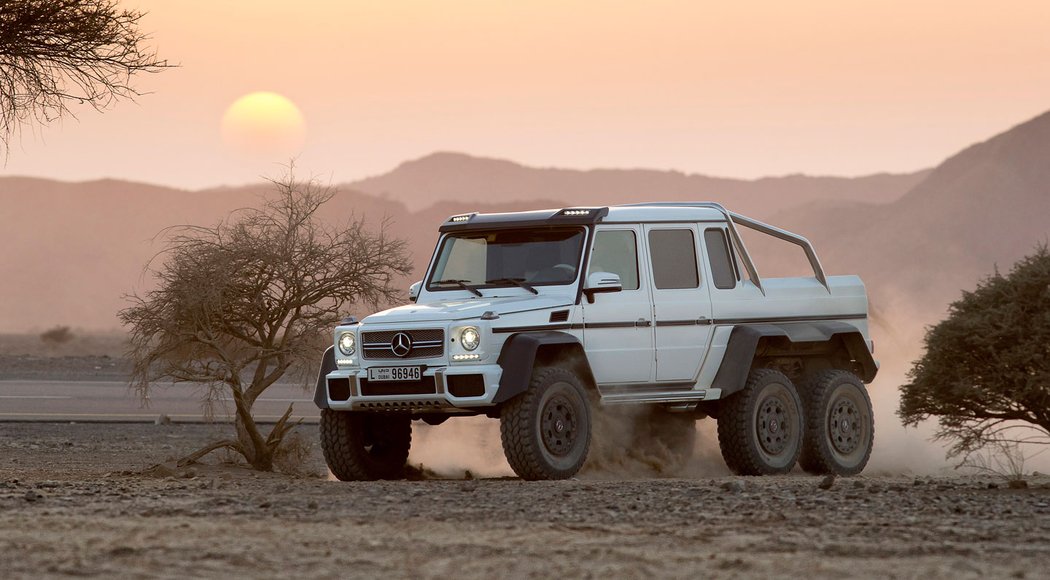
(575,212)
(461,218)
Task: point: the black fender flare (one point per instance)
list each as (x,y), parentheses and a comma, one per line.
(518,358)
(327,366)
(740,351)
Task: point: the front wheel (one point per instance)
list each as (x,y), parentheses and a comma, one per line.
(546,431)
(840,426)
(365,446)
(760,428)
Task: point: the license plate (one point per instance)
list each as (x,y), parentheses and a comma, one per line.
(390,374)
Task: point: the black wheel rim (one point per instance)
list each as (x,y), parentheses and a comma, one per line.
(559,425)
(773,425)
(844,425)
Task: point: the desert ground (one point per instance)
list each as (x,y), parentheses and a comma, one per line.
(87,500)
(106,500)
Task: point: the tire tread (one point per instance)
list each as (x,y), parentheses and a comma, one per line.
(816,455)
(734,426)
(516,426)
(345,454)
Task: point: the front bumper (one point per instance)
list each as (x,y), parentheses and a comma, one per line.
(441,390)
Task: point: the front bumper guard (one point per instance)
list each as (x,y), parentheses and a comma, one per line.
(343,391)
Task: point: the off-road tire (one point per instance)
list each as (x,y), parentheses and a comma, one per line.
(365,446)
(546,431)
(840,426)
(760,428)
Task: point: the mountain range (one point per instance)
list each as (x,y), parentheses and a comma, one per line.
(464,178)
(70,251)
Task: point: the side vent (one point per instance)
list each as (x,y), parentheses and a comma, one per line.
(560,316)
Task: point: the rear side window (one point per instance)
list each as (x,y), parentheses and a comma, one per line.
(673,255)
(616,252)
(721,262)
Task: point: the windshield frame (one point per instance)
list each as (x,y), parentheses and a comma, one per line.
(428,285)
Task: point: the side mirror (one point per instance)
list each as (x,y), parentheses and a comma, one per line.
(413,290)
(601,282)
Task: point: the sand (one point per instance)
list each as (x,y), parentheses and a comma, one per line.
(79,500)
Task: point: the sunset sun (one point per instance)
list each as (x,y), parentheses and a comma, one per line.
(264,124)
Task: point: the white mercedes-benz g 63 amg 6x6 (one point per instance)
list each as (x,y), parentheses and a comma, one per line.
(542,318)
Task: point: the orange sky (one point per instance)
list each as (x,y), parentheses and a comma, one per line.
(741,89)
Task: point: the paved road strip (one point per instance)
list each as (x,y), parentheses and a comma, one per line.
(34,397)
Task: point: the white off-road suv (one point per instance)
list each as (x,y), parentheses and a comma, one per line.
(544,319)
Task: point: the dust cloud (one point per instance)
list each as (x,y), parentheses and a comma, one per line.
(642,442)
(458,446)
(628,441)
(624,444)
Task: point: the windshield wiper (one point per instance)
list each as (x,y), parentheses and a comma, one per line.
(462,284)
(520,282)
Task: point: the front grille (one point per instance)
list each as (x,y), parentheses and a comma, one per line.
(426,343)
(381,389)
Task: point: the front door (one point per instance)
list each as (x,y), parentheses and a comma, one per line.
(682,313)
(618,331)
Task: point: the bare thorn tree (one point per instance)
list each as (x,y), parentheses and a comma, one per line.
(239,304)
(54,53)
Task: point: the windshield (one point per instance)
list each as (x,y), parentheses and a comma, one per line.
(508,258)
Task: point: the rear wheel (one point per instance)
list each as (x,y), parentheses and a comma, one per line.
(365,446)
(840,426)
(760,428)
(546,431)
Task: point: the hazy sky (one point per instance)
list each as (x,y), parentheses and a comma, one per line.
(740,89)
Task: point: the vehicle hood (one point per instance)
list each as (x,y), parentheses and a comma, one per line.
(465,309)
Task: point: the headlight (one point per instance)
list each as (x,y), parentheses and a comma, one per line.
(470,338)
(347,343)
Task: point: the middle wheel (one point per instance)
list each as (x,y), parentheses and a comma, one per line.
(760,428)
(546,431)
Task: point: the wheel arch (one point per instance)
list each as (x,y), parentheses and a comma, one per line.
(829,342)
(321,389)
(524,351)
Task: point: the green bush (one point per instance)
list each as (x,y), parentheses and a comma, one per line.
(986,371)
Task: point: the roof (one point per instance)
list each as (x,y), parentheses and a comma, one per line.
(648,212)
(665,212)
(525,219)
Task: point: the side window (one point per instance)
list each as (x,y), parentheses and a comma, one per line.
(673,255)
(616,252)
(721,262)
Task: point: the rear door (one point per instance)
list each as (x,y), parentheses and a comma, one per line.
(682,301)
(618,331)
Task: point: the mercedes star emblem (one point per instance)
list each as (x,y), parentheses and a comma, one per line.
(401,345)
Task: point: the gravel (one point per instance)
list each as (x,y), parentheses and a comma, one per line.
(107,500)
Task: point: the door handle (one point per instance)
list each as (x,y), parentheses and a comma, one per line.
(641,322)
